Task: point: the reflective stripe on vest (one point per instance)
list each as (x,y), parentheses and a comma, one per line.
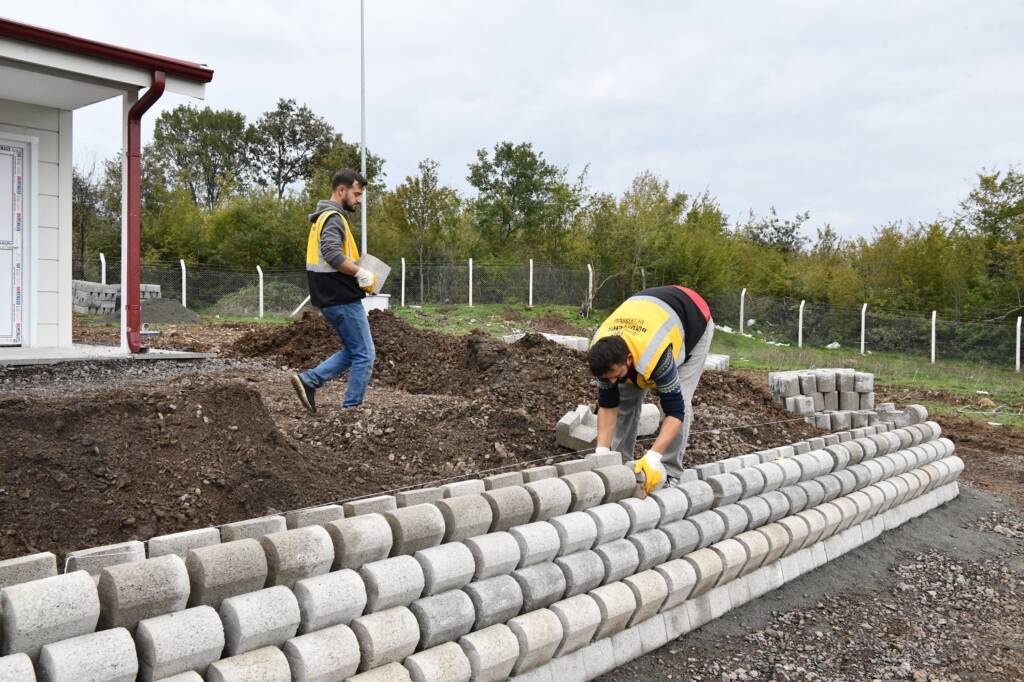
(648,325)
(314,259)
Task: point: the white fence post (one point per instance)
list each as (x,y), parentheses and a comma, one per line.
(529,300)
(590,286)
(743,295)
(184,285)
(259,271)
(103,268)
(403,282)
(643,278)
(863,325)
(800,327)
(934,315)
(470,282)
(1018,342)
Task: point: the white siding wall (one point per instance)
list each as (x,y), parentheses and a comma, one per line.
(52,261)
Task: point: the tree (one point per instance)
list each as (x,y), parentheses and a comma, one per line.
(86,215)
(285,143)
(202,149)
(781,234)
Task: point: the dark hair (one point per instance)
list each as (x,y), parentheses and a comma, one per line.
(607,351)
(347,176)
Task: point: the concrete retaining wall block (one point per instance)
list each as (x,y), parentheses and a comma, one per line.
(580,617)
(492,653)
(328,654)
(370,505)
(617,604)
(470,487)
(465,516)
(699,494)
(252,528)
(296,554)
(409,498)
(268,617)
(620,559)
(446,567)
(47,610)
(650,591)
(777,503)
(443,617)
(26,568)
(538,542)
(510,506)
(397,581)
(707,565)
(444,663)
(503,480)
(18,668)
(392,672)
(672,504)
(551,497)
(142,589)
(644,514)
(798,531)
(619,482)
(710,527)
(217,572)
(495,600)
(386,636)
(680,579)
(359,540)
(653,547)
(414,528)
(332,599)
(611,521)
(542,585)
(796,496)
(494,554)
(733,557)
(683,536)
(107,656)
(576,531)
(757,509)
(815,492)
(727,488)
(538,633)
(772,475)
(268,664)
(583,571)
(181,543)
(178,642)
(734,517)
(95,559)
(313,516)
(586,490)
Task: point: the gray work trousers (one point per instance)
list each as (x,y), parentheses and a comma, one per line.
(631,400)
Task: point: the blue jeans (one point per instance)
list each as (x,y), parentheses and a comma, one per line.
(357,352)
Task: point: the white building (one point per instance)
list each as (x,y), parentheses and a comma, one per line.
(44,76)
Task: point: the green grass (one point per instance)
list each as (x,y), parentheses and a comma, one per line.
(497,319)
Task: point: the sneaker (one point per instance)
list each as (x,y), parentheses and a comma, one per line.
(306,394)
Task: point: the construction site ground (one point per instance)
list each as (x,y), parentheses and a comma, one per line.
(92,453)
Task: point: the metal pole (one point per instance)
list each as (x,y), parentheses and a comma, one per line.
(403,282)
(743,295)
(643,278)
(1018,342)
(863,326)
(470,282)
(301,306)
(530,296)
(934,315)
(259,271)
(184,285)
(800,327)
(590,286)
(362,116)
(103,268)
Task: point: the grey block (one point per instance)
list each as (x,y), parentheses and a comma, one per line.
(840,421)
(710,527)
(18,668)
(217,572)
(551,497)
(142,589)
(752,481)
(409,498)
(181,543)
(359,540)
(731,464)
(643,514)
(444,663)
(809,465)
(652,546)
(392,672)
(470,487)
(539,473)
(616,603)
(619,557)
(539,633)
(863,382)
(586,490)
(510,506)
(495,600)
(786,383)
(504,480)
(24,569)
(397,581)
(573,466)
(867,400)
(831,400)
(791,471)
(541,584)
(820,420)
(808,383)
(680,579)
(797,498)
(772,475)
(619,482)
(267,617)
(825,380)
(849,400)
(598,658)
(650,591)
(757,509)
(178,642)
(296,554)
(370,505)
(268,664)
(576,531)
(683,536)
(801,447)
(580,617)
(328,654)
(734,517)
(709,469)
(415,528)
(726,488)
(332,599)
(443,617)
(605,459)
(611,521)
(700,495)
(386,636)
(47,610)
(800,404)
(446,567)
(108,656)
(492,653)
(583,571)
(252,528)
(819,401)
(538,542)
(493,554)
(465,516)
(859,418)
(672,504)
(95,559)
(313,516)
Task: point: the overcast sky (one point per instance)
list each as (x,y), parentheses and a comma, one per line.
(859,112)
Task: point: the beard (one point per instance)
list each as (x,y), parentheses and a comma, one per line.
(348,204)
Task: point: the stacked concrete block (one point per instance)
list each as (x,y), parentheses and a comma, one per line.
(577,429)
(95,559)
(831,399)
(252,528)
(108,655)
(48,610)
(181,543)
(27,568)
(179,642)
(142,589)
(268,617)
(217,572)
(314,516)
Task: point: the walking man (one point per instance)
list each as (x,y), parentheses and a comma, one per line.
(657,339)
(337,287)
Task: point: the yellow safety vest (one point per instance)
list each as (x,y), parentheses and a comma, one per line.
(313,256)
(648,325)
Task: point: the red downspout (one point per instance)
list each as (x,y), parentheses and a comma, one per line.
(134,288)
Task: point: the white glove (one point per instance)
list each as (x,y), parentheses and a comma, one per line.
(601,450)
(652,471)
(365,278)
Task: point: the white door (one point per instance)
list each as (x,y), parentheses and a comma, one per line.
(12,230)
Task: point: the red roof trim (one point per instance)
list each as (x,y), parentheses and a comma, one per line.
(93,48)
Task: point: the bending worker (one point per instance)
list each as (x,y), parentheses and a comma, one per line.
(657,339)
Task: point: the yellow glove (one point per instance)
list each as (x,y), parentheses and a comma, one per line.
(366,279)
(651,469)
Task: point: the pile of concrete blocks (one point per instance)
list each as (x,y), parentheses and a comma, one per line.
(577,429)
(717,362)
(831,399)
(580,343)
(93,298)
(552,573)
